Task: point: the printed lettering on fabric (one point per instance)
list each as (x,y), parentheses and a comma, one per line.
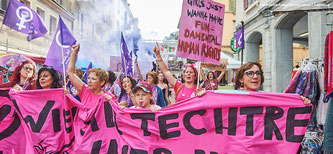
(201,30)
(257,122)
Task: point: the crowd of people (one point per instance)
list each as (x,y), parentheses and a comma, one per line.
(158,90)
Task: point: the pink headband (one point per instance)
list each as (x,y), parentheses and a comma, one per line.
(193,67)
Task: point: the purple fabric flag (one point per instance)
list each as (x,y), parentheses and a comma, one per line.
(239,36)
(63,37)
(25,20)
(88,68)
(126,59)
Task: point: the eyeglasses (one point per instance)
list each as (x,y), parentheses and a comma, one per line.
(251,74)
(28,68)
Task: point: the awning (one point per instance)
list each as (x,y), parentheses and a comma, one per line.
(232,63)
(38,59)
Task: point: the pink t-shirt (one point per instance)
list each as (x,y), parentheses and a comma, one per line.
(185,92)
(89,99)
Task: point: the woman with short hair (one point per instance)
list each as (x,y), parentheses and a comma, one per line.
(90,93)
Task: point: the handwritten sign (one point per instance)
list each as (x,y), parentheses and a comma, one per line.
(201,30)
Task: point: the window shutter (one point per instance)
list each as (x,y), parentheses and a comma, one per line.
(246,4)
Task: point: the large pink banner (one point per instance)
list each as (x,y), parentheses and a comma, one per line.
(201,30)
(254,122)
(50,118)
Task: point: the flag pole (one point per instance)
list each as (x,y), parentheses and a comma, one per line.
(123,58)
(198,81)
(242,42)
(63,65)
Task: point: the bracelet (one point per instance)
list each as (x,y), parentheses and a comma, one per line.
(159,60)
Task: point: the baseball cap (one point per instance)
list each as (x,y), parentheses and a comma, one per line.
(145,86)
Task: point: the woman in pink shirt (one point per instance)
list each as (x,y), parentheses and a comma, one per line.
(182,90)
(90,93)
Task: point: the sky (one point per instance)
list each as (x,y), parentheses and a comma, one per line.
(157,18)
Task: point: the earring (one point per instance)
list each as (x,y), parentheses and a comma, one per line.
(242,85)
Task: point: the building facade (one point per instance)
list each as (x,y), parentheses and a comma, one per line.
(96,25)
(277,32)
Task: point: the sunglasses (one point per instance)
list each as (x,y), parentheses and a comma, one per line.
(28,68)
(251,74)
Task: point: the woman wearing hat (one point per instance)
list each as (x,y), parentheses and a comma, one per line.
(144,97)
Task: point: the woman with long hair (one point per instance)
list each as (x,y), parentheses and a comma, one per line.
(126,97)
(23,77)
(164,87)
(48,78)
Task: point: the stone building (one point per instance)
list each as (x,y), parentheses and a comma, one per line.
(275,27)
(96,25)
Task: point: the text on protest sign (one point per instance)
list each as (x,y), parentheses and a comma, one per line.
(201,30)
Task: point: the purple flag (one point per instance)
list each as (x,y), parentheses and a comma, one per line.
(88,68)
(63,37)
(25,20)
(239,36)
(126,59)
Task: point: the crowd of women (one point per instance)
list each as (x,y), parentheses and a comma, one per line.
(150,93)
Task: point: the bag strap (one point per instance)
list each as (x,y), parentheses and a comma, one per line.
(179,88)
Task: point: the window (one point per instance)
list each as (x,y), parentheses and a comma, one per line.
(232,5)
(72,26)
(53,25)
(27,3)
(3,6)
(247,3)
(41,13)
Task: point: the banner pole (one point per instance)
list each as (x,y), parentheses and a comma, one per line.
(198,81)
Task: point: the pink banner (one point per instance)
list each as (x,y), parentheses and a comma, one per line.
(49,117)
(254,122)
(201,30)
(14,134)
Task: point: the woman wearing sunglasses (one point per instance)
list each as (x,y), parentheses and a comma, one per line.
(23,77)
(250,77)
